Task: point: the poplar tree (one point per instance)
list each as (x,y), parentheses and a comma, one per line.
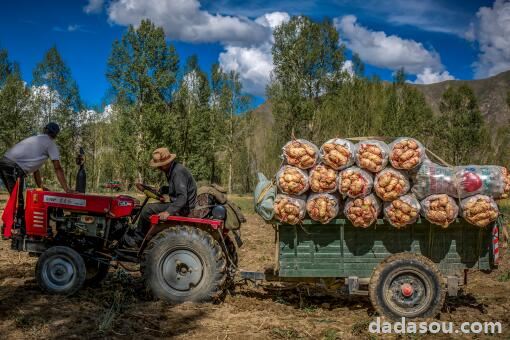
(142,70)
(58,100)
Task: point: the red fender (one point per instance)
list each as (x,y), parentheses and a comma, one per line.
(10,211)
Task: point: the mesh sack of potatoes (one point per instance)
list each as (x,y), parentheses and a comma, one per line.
(322,207)
(288,209)
(292,180)
(439,209)
(301,153)
(389,184)
(406,153)
(372,155)
(362,212)
(323,179)
(479,210)
(355,182)
(337,153)
(403,211)
(506,180)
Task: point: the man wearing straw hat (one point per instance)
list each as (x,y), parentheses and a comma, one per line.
(182,190)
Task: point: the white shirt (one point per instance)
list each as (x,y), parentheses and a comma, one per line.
(31,153)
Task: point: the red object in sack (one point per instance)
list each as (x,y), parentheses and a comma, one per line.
(471,181)
(9,211)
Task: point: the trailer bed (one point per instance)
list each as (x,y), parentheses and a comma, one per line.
(339,249)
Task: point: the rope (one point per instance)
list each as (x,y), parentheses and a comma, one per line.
(265,191)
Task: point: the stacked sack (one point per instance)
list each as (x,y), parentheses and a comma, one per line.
(373,177)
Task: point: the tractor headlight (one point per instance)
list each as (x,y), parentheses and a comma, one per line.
(219,212)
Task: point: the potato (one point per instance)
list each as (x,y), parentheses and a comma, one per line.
(337,153)
(406,153)
(322,207)
(354,182)
(288,209)
(439,209)
(362,212)
(323,179)
(372,155)
(402,211)
(300,153)
(389,184)
(292,181)
(479,210)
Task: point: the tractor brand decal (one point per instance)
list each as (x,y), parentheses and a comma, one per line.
(65,201)
(124,203)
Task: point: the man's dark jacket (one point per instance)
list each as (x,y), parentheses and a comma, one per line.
(182,190)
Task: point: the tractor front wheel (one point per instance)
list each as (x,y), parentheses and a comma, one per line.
(184,264)
(60,270)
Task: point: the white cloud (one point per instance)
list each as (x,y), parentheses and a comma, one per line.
(386,51)
(430,77)
(492,31)
(273,19)
(254,64)
(184,20)
(94,6)
(348,67)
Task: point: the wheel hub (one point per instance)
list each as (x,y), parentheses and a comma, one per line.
(407,293)
(407,290)
(182,270)
(59,272)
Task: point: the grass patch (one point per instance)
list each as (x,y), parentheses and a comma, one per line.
(504,207)
(245,202)
(360,327)
(330,334)
(285,333)
(505,277)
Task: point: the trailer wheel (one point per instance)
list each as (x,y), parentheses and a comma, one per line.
(407,285)
(184,264)
(96,272)
(60,270)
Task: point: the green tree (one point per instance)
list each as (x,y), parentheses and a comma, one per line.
(6,66)
(307,63)
(142,70)
(16,116)
(461,128)
(234,102)
(191,106)
(57,99)
(405,112)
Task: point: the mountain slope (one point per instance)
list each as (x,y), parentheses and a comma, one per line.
(492,94)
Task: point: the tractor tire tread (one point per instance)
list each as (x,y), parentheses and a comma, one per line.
(411,258)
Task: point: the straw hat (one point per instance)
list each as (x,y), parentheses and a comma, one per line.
(161,157)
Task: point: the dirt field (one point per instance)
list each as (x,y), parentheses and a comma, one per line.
(122,309)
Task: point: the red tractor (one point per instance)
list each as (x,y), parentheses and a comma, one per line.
(76,238)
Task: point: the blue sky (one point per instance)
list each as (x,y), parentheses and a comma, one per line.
(433,40)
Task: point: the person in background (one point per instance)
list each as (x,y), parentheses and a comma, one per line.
(29,155)
(81,176)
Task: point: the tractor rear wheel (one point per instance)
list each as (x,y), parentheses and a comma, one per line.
(60,270)
(184,264)
(407,285)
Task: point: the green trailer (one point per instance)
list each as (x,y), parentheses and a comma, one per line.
(405,272)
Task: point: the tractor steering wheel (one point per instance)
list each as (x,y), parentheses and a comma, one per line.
(149,191)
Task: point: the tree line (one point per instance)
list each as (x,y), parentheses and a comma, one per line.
(157,100)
